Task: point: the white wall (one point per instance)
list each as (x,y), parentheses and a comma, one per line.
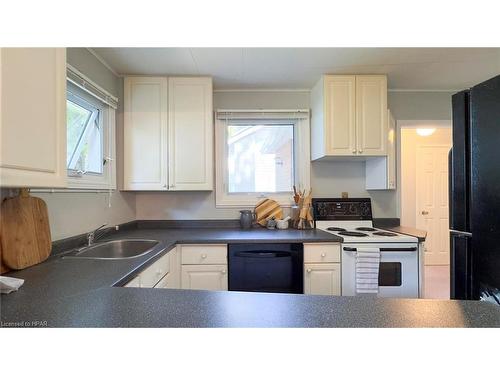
(75,213)
(328,179)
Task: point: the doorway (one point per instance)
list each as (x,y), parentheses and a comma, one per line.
(424,148)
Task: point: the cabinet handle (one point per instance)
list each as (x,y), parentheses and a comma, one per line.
(203,256)
(165,185)
(223,272)
(354,151)
(323,255)
(360,151)
(172,186)
(309,270)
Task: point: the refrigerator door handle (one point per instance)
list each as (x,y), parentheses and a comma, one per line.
(459,233)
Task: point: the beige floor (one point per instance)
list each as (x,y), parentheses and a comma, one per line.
(437,282)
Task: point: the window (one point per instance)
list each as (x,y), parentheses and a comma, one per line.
(261,154)
(90,140)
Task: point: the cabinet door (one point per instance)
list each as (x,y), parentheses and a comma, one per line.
(322,279)
(371,115)
(145,133)
(165,282)
(204,277)
(339,115)
(391,151)
(190,133)
(33,117)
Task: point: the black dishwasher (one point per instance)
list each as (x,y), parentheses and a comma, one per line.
(266,267)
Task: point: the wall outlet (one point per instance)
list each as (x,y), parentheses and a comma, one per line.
(345,194)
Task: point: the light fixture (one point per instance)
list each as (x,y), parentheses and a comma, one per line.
(425,132)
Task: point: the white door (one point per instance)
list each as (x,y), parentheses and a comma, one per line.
(323,279)
(204,277)
(371,115)
(340,113)
(33,117)
(145,133)
(432,202)
(190,129)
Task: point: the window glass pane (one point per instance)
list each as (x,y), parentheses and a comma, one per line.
(76,119)
(260,158)
(84,137)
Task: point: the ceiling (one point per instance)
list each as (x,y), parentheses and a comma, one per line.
(299,68)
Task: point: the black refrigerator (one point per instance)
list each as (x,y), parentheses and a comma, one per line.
(474,199)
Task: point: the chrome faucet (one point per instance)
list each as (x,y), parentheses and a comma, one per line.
(91,236)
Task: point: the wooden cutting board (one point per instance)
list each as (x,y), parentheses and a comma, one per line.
(24,231)
(266,209)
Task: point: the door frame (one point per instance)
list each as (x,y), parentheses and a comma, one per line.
(410,124)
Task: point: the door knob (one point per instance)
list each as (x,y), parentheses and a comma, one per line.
(425,212)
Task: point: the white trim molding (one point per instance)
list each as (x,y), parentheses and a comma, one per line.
(104,62)
(300,118)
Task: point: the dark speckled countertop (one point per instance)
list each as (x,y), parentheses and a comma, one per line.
(69,292)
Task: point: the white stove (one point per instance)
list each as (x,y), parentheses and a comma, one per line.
(351,219)
(362,231)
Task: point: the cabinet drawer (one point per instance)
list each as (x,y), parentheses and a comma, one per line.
(204,254)
(322,253)
(151,275)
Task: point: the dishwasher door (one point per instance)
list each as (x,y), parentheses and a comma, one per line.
(263,267)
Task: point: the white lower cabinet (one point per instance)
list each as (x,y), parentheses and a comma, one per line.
(204,276)
(165,282)
(322,269)
(322,279)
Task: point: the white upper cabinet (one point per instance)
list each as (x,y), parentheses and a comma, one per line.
(168,140)
(190,133)
(349,116)
(371,115)
(33,117)
(145,133)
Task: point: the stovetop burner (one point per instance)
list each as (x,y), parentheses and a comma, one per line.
(385,234)
(336,229)
(352,234)
(366,229)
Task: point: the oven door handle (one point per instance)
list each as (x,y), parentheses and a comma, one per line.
(385,249)
(262,254)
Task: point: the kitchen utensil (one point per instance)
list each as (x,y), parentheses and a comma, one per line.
(306,220)
(296,196)
(25,231)
(265,209)
(246,219)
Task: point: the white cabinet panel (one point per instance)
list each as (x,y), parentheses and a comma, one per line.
(204,277)
(323,279)
(204,254)
(371,115)
(381,170)
(165,282)
(33,117)
(340,114)
(321,253)
(190,133)
(145,133)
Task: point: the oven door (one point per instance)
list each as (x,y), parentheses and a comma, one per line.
(398,271)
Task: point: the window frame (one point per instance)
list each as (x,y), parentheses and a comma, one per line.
(94,181)
(301,154)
